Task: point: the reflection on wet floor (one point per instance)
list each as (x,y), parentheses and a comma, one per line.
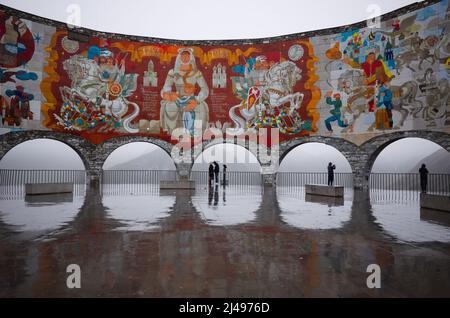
(227,206)
(134,240)
(38,214)
(402,218)
(313,211)
(149,206)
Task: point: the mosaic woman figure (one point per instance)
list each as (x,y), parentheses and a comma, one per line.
(176,103)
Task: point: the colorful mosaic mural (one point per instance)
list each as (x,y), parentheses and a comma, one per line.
(352,85)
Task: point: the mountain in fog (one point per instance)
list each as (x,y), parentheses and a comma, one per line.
(406,155)
(437,162)
(314,157)
(249,167)
(152,160)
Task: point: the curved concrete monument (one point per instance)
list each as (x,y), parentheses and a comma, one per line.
(357,87)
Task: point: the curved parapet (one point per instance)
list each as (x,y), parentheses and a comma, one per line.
(354,82)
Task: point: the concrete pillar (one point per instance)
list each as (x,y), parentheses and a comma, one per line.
(183,170)
(269,180)
(360,180)
(94,179)
(269,176)
(361,169)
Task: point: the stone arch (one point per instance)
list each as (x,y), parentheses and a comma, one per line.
(374,146)
(347,148)
(80,145)
(106,148)
(200,148)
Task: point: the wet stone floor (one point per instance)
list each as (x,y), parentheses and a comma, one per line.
(137,241)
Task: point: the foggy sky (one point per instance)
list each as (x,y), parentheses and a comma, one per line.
(206,19)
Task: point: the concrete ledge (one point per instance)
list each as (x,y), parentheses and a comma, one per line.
(318,189)
(48,188)
(435,216)
(435,202)
(49,198)
(182,184)
(325,200)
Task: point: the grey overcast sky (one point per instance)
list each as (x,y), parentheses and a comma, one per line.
(207,19)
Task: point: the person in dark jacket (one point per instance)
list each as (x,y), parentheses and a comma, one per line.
(224,175)
(216,172)
(210,174)
(423,178)
(331,168)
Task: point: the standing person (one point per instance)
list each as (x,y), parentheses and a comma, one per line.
(224,175)
(210,174)
(216,172)
(331,168)
(423,178)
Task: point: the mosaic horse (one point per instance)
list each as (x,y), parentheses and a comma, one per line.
(88,86)
(404,98)
(277,93)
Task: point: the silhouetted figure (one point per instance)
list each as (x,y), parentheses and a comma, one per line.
(331,168)
(216,172)
(210,174)
(216,195)
(224,197)
(210,196)
(423,178)
(225,175)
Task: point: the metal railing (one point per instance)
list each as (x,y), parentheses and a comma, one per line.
(138,176)
(233,178)
(389,196)
(12,182)
(300,179)
(437,183)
